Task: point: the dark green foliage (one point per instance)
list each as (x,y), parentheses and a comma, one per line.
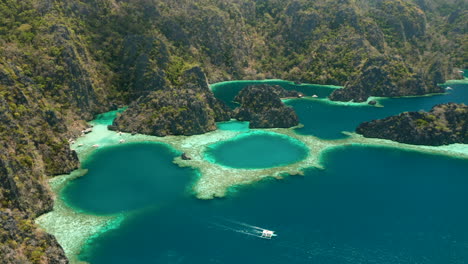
(262,106)
(62,62)
(444,124)
(22,242)
(187,108)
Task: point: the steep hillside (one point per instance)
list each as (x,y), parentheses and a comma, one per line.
(62,62)
(189,108)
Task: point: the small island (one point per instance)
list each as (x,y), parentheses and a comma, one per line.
(444,124)
(262,106)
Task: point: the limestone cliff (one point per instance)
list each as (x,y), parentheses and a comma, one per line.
(444,124)
(262,106)
(19,234)
(62,62)
(387,77)
(188,108)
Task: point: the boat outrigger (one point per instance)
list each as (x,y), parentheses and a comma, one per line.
(267,234)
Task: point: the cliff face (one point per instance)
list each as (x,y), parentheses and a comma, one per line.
(19,234)
(387,77)
(262,106)
(62,62)
(188,108)
(47,89)
(444,124)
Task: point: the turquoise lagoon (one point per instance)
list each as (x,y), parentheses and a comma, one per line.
(227,91)
(142,175)
(257,150)
(371,205)
(328,120)
(366,205)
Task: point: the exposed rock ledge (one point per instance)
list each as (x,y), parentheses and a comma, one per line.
(444,124)
(262,106)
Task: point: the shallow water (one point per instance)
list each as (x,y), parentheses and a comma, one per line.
(233,125)
(355,211)
(368,204)
(257,150)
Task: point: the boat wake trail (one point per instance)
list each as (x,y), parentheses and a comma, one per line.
(243,224)
(241,231)
(239,227)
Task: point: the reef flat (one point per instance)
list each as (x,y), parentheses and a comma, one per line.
(73,228)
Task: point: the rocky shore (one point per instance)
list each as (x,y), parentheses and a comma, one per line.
(444,124)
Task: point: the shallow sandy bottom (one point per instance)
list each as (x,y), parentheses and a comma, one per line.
(73,228)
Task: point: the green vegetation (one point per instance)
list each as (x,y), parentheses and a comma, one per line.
(444,124)
(62,62)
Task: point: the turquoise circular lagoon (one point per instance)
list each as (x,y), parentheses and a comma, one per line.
(370,205)
(127,177)
(257,150)
(367,204)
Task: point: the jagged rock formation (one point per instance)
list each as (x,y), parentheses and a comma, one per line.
(280,91)
(188,108)
(386,77)
(262,106)
(62,62)
(19,234)
(48,87)
(444,124)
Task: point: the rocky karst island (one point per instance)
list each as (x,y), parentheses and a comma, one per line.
(126,125)
(444,124)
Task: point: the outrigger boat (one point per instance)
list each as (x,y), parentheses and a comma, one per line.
(251,230)
(267,234)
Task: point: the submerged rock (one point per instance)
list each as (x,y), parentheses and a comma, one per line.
(444,124)
(262,106)
(186,109)
(185,157)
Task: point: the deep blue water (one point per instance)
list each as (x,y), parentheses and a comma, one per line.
(127,177)
(403,207)
(257,150)
(325,120)
(369,205)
